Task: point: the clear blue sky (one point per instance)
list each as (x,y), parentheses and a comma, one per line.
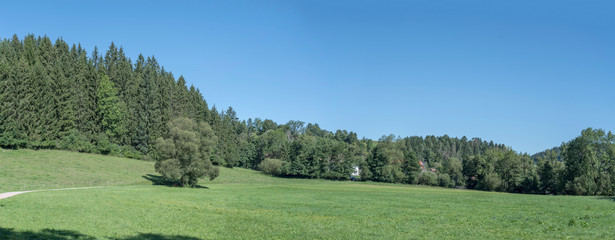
(529,74)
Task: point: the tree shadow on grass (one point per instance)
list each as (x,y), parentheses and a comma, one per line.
(159,180)
(54,234)
(50,234)
(151,236)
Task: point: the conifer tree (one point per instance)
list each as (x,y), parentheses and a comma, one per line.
(153,108)
(112,111)
(141,137)
(63,90)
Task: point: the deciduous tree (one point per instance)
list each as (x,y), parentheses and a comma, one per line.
(186,152)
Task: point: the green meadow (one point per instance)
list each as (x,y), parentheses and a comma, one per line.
(245,204)
(47,169)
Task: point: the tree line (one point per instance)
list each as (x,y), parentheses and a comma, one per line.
(56,96)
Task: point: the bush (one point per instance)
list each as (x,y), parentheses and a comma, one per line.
(412,177)
(445,180)
(185,152)
(130,152)
(428,178)
(272,166)
(103,145)
(116,150)
(77,141)
(49,144)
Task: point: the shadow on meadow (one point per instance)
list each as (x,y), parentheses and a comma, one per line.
(148,236)
(159,180)
(50,234)
(54,234)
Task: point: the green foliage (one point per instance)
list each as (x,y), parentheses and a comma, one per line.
(271,166)
(428,178)
(530,185)
(470,171)
(453,167)
(491,182)
(186,152)
(444,180)
(411,168)
(103,145)
(550,171)
(111,109)
(507,167)
(385,162)
(130,152)
(274,144)
(228,145)
(590,163)
(77,141)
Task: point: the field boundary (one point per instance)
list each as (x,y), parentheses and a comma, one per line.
(10,194)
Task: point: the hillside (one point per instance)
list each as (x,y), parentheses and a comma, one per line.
(541,155)
(45,169)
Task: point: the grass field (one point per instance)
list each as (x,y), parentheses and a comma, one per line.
(244,204)
(45,169)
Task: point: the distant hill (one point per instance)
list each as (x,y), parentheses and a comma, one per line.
(557,150)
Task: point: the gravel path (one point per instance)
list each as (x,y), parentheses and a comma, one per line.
(10,194)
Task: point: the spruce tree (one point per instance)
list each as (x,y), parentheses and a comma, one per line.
(141,137)
(112,111)
(153,108)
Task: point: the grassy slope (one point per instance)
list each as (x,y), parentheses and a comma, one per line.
(45,169)
(248,205)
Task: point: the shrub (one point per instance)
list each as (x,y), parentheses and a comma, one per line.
(428,178)
(185,152)
(103,145)
(49,144)
(76,141)
(445,180)
(412,177)
(130,152)
(116,150)
(272,166)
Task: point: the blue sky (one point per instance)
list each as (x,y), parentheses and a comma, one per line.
(529,74)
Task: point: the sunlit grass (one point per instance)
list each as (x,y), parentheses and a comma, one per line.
(244,204)
(45,169)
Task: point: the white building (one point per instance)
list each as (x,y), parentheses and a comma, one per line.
(357,172)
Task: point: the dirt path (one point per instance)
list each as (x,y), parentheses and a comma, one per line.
(10,194)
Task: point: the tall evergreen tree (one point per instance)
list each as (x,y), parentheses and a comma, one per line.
(112,111)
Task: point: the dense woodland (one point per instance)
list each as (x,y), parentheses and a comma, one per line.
(57,96)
